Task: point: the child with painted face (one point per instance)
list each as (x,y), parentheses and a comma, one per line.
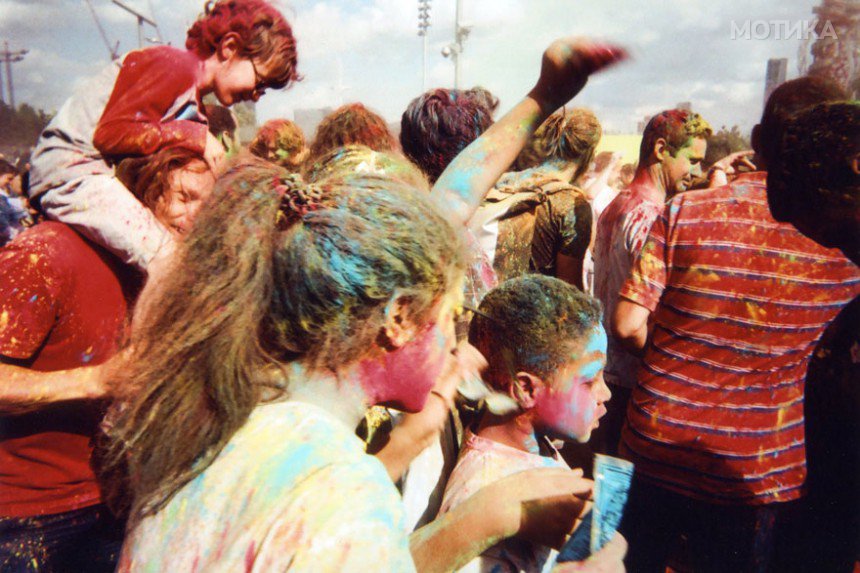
(297,308)
(147,101)
(546,349)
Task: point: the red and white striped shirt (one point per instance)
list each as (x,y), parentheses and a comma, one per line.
(738,301)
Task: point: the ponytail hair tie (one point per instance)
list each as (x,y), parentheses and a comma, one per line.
(297,200)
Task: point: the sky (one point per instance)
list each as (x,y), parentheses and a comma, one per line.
(369,51)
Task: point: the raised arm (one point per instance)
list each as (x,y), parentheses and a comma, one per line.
(565,69)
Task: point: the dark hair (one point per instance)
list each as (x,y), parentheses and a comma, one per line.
(264,35)
(810,169)
(440,123)
(7,168)
(677,127)
(347,125)
(565,136)
(282,142)
(528,324)
(221,120)
(273,271)
(785,101)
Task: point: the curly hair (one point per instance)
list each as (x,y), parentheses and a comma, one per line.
(264,35)
(788,99)
(351,124)
(565,136)
(282,142)
(529,324)
(273,271)
(677,127)
(811,169)
(439,124)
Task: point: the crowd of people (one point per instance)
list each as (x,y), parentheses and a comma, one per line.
(366,351)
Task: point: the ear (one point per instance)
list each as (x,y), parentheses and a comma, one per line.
(755,138)
(525,389)
(398,328)
(659,150)
(228,46)
(854,163)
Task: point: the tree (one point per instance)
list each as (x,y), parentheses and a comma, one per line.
(723,143)
(20,128)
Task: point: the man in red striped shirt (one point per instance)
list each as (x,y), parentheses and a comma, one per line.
(670,157)
(731,304)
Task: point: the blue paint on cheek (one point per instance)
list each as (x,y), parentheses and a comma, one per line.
(589,416)
(34,298)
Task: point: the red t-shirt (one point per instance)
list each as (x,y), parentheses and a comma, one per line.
(154,105)
(63,304)
(739,301)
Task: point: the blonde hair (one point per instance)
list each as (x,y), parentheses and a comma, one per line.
(566,136)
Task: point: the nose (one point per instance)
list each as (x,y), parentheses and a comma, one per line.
(604,394)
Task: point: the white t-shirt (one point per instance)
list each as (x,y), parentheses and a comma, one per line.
(293,490)
(481,463)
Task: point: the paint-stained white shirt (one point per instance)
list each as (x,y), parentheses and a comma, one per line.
(293,490)
(481,463)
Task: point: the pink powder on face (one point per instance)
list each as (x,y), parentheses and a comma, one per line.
(404,377)
(570,408)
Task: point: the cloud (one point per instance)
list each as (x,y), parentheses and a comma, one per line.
(368,50)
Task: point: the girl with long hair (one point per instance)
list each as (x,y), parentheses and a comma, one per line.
(289,309)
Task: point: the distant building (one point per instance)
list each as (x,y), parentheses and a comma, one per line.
(246,117)
(777,69)
(684,105)
(309,119)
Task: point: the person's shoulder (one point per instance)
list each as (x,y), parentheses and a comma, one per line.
(322,438)
(749,186)
(172,58)
(565,193)
(49,240)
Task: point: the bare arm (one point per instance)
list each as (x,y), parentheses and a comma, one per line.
(526,504)
(24,390)
(418,431)
(411,436)
(630,325)
(565,68)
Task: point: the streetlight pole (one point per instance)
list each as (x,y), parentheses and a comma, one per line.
(423,26)
(141,19)
(458,16)
(9,58)
(455,49)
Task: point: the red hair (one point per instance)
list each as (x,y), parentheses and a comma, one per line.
(677,127)
(280,141)
(264,35)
